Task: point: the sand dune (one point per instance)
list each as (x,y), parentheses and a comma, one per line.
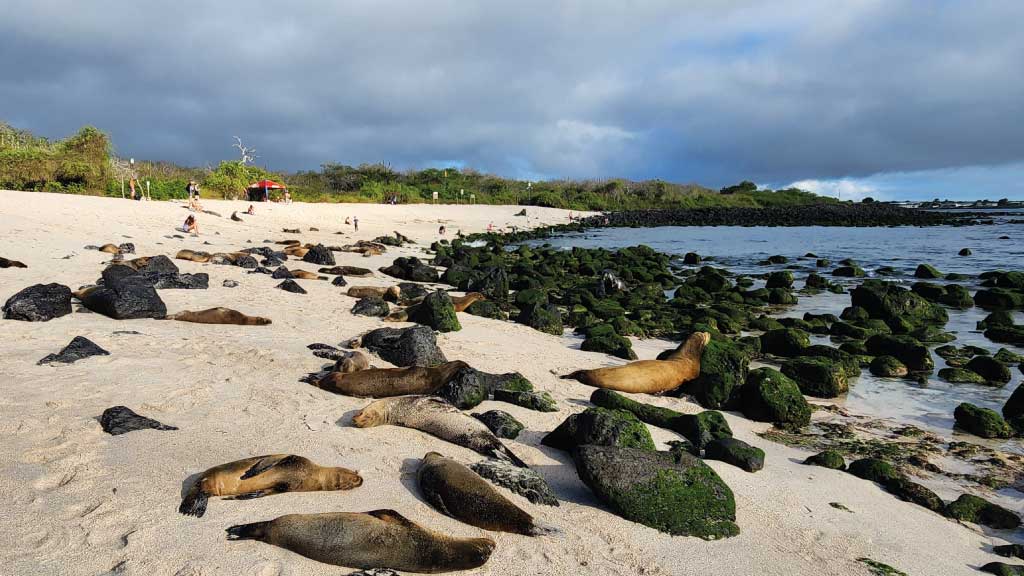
(78,501)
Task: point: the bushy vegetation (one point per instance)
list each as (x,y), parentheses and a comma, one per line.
(83,164)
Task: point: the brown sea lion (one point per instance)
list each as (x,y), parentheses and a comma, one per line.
(352,362)
(218,316)
(110,249)
(391,294)
(437,417)
(263,476)
(388,382)
(375,539)
(193,256)
(459,302)
(456,491)
(306,275)
(5,263)
(650,376)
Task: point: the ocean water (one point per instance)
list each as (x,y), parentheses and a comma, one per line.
(740,249)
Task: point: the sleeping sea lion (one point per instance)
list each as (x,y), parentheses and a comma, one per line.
(193,256)
(263,476)
(110,249)
(218,316)
(387,382)
(650,376)
(352,362)
(375,539)
(459,302)
(391,294)
(437,417)
(457,491)
(5,263)
(306,275)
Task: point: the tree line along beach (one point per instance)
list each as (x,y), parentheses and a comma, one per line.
(773,458)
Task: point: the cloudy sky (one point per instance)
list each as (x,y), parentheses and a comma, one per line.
(889,98)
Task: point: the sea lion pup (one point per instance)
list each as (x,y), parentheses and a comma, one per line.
(218,316)
(650,376)
(263,476)
(437,417)
(388,382)
(457,491)
(352,362)
(391,294)
(193,256)
(110,249)
(5,263)
(374,539)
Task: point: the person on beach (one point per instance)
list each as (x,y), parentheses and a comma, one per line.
(287,197)
(441,230)
(131,185)
(348,221)
(355,222)
(490,227)
(251,210)
(190,225)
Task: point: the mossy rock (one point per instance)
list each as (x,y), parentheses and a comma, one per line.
(900,308)
(436,311)
(736,452)
(1006,334)
(691,259)
(770,396)
(928,290)
(854,314)
(990,369)
(915,355)
(1014,406)
(982,421)
(873,469)
(816,282)
(855,347)
(529,297)
(539,401)
(600,427)
(849,362)
(781,297)
(927,271)
(915,493)
(766,323)
(710,280)
(827,459)
(999,298)
(960,376)
(932,335)
(501,423)
(602,338)
(487,309)
(817,376)
(848,272)
(822,262)
(545,318)
(847,330)
(673,492)
(889,367)
(703,427)
(781,279)
(606,309)
(957,296)
(723,370)
(1007,357)
(786,342)
(971,508)
(997,318)
(1003,569)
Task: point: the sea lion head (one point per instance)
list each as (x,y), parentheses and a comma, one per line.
(393,292)
(340,479)
(375,414)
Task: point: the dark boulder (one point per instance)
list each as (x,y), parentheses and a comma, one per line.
(675,492)
(339,281)
(927,271)
(79,348)
(371,306)
(501,423)
(600,427)
(1003,569)
(413,346)
(982,421)
(848,272)
(130,298)
(543,317)
(873,469)
(291,286)
(320,255)
(699,429)
(827,459)
(1014,406)
(785,342)
(282,273)
(436,311)
(964,252)
(523,481)
(723,370)
(970,508)
(781,279)
(915,493)
(817,376)
(602,338)
(531,400)
(411,269)
(39,303)
(119,420)
(897,306)
(889,367)
(906,349)
(990,369)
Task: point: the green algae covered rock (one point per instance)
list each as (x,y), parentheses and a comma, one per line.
(889,367)
(770,396)
(1014,406)
(971,508)
(539,401)
(699,429)
(873,469)
(960,376)
(1003,569)
(603,338)
(990,369)
(600,427)
(781,279)
(543,317)
(927,271)
(674,492)
(723,370)
(487,309)
(827,459)
(905,348)
(436,311)
(982,421)
(898,307)
(736,452)
(785,342)
(915,493)
(817,376)
(848,272)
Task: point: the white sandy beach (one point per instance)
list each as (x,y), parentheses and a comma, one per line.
(78,501)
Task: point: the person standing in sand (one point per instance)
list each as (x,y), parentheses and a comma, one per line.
(355,222)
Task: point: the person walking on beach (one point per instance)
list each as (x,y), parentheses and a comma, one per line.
(131,185)
(355,222)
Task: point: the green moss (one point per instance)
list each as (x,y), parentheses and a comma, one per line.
(927,271)
(879,569)
(827,459)
(889,367)
(873,469)
(982,421)
(692,503)
(600,427)
(723,369)
(971,508)
(817,376)
(960,376)
(539,401)
(785,342)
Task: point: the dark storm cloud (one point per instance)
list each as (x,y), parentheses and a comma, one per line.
(708,91)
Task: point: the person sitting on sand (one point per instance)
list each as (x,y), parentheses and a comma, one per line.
(251,211)
(490,227)
(441,230)
(190,225)
(348,221)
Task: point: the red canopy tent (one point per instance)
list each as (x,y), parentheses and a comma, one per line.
(260,191)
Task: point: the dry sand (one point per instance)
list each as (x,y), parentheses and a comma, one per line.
(78,501)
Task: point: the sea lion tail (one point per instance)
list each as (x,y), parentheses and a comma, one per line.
(254,531)
(540,528)
(577,375)
(194,503)
(502,452)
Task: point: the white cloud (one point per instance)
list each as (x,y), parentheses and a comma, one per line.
(844,188)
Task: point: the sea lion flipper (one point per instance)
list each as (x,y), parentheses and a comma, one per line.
(250,495)
(194,503)
(501,452)
(267,463)
(254,531)
(387,515)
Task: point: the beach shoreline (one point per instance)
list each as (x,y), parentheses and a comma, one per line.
(83,502)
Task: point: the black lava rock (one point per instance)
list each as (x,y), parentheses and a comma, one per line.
(291,286)
(372,306)
(501,423)
(130,298)
(414,346)
(119,420)
(319,254)
(39,303)
(80,347)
